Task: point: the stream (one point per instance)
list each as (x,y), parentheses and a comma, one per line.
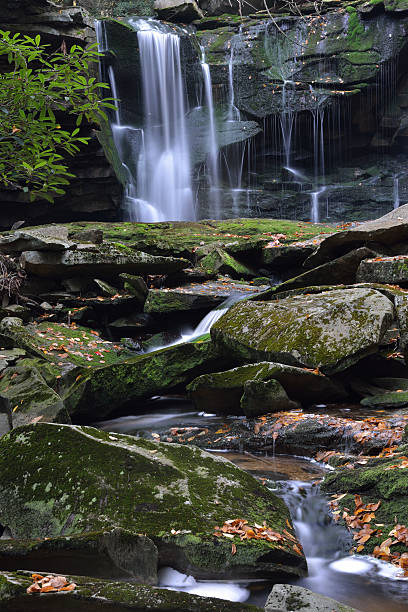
(363,582)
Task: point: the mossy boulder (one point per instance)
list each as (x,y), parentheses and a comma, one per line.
(222,391)
(174,494)
(104,261)
(390,399)
(221,262)
(100,391)
(330,331)
(379,479)
(31,399)
(93,595)
(261,396)
(112,554)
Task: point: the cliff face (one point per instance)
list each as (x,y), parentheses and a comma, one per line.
(326,92)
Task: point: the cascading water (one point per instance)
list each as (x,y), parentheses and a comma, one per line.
(396,192)
(215,204)
(164,171)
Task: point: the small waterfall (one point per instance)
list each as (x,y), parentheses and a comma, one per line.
(212,142)
(287,119)
(396,192)
(233,111)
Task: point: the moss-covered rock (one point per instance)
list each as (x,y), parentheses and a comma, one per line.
(378,480)
(101,391)
(31,399)
(111,554)
(390,399)
(174,494)
(182,238)
(220,262)
(92,594)
(330,331)
(222,391)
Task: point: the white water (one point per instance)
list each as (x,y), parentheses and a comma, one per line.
(396,192)
(213,162)
(173,580)
(162,189)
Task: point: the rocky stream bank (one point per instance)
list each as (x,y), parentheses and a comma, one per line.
(307,357)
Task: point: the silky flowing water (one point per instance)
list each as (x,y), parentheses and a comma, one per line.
(363,582)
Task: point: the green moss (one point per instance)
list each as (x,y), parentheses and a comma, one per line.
(358,38)
(111,480)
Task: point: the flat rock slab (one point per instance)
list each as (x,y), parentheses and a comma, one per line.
(222,391)
(391,270)
(93,595)
(174,494)
(330,331)
(98,262)
(111,554)
(196,296)
(47,238)
(290,597)
(388,230)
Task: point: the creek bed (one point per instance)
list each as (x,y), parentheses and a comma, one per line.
(363,582)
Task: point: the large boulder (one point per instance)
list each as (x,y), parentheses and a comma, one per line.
(330,331)
(222,391)
(98,262)
(175,495)
(93,595)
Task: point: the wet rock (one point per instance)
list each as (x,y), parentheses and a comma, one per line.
(111,554)
(135,322)
(179,11)
(289,597)
(261,396)
(102,262)
(173,494)
(105,288)
(222,391)
(47,238)
(120,596)
(220,262)
(330,331)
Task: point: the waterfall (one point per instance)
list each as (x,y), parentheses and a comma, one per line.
(215,205)
(396,192)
